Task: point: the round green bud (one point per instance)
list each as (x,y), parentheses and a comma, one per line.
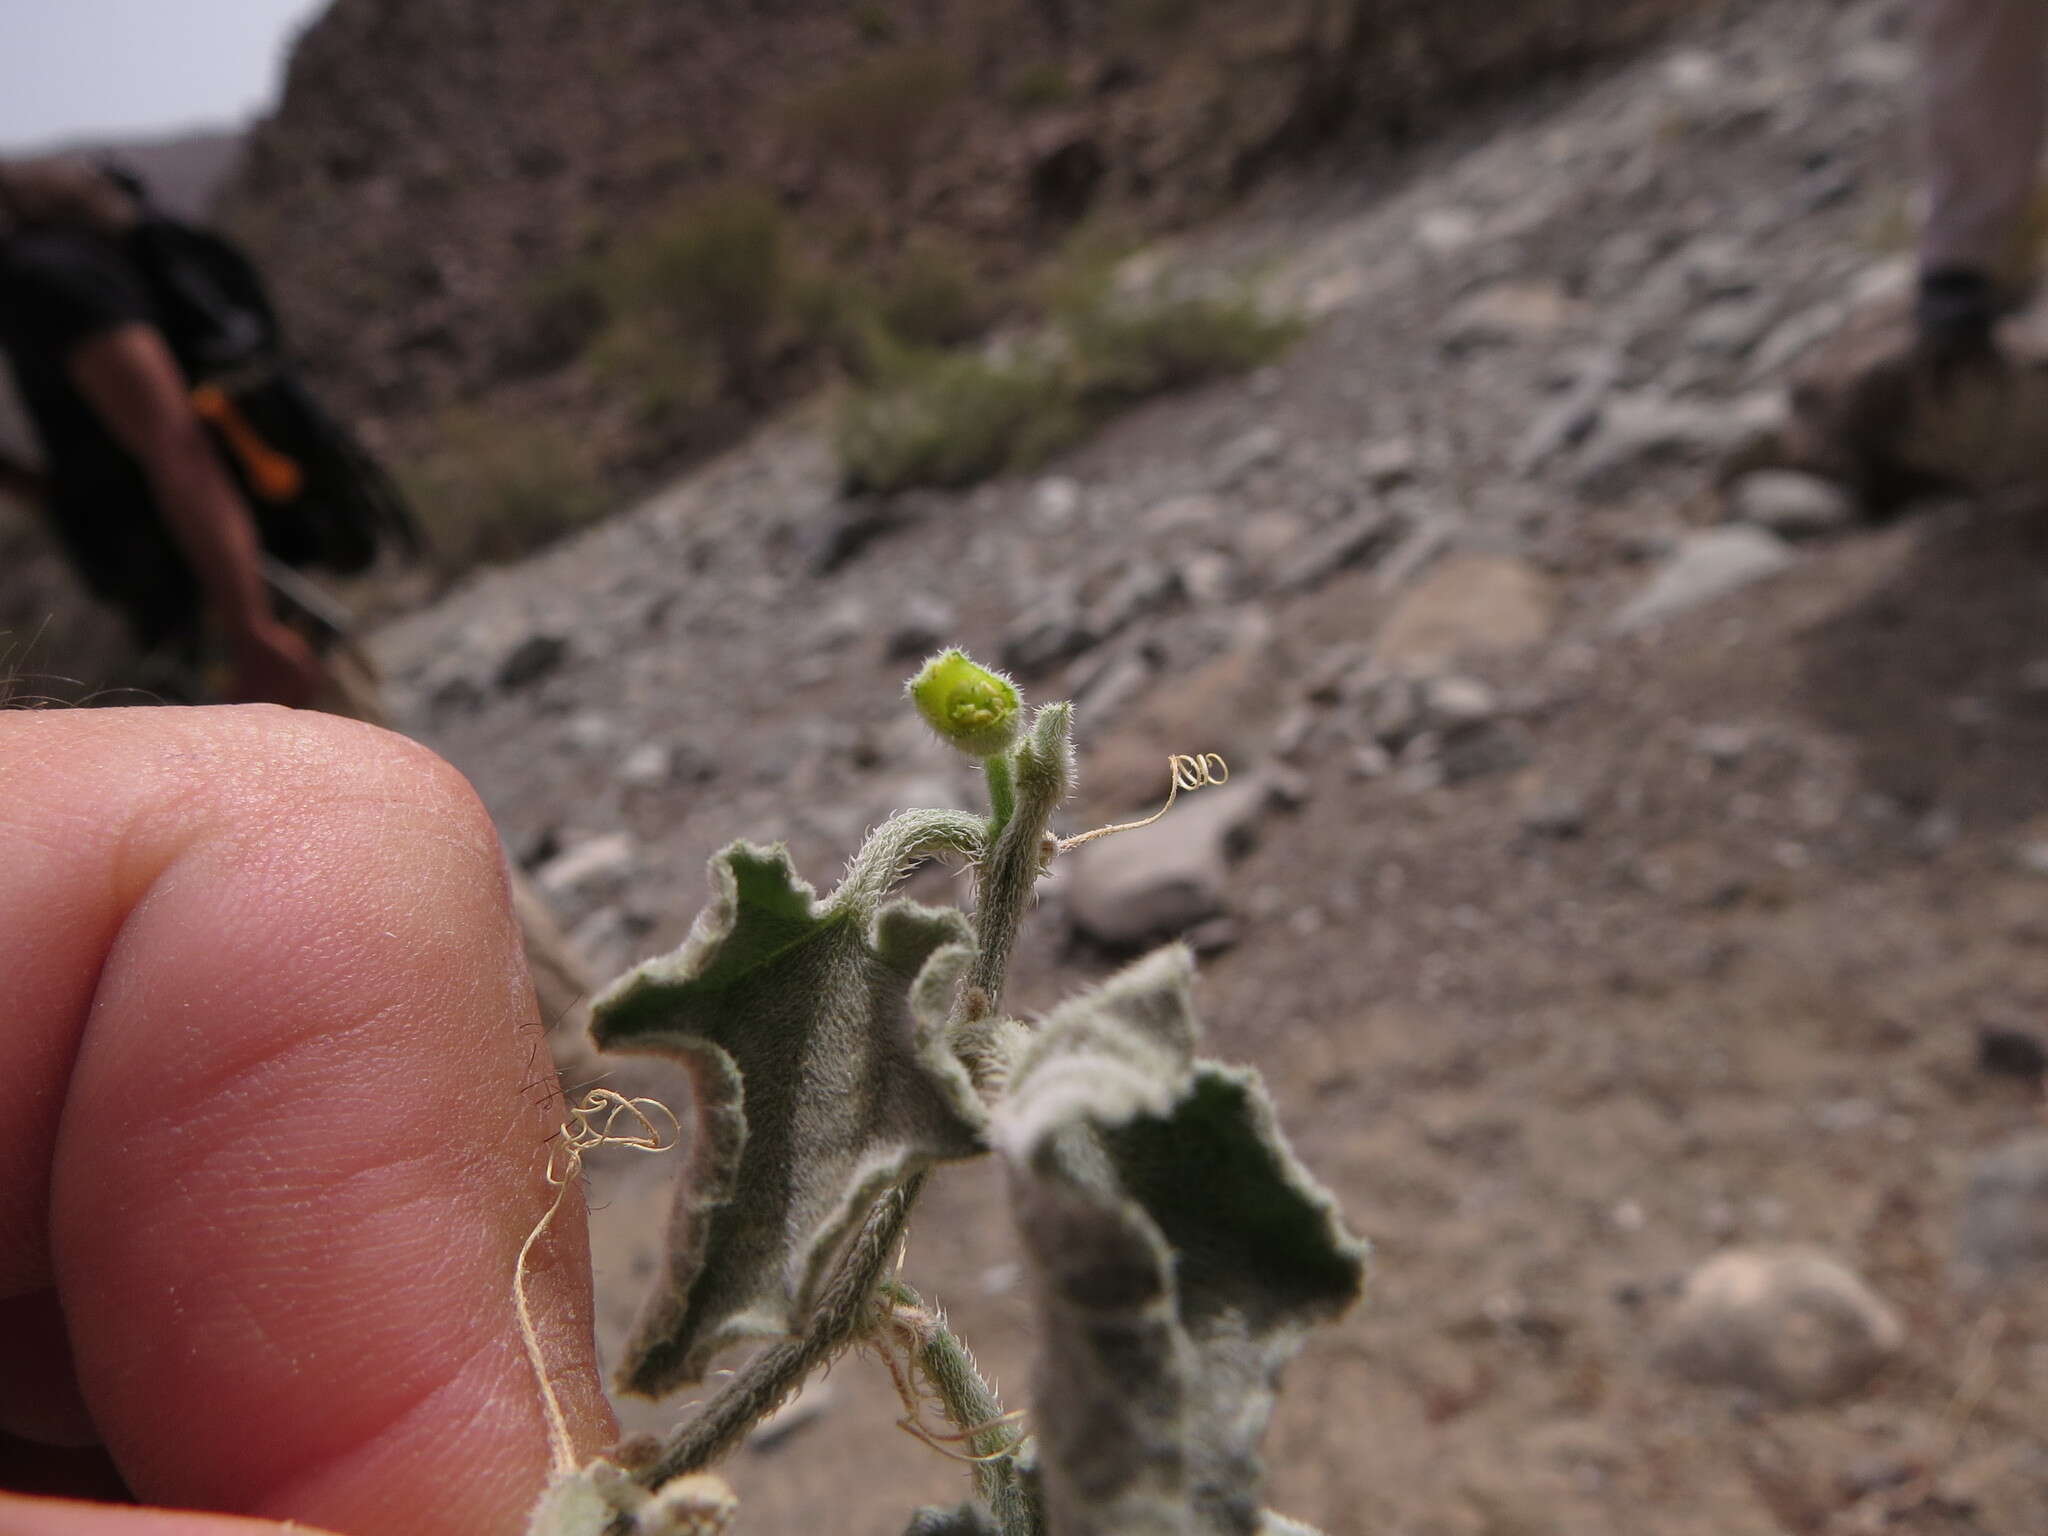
(971,708)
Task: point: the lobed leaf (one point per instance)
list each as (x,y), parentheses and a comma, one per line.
(1181,1252)
(815,1088)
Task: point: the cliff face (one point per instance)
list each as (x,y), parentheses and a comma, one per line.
(438,168)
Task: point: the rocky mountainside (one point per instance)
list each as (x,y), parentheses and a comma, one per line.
(1622,881)
(439,173)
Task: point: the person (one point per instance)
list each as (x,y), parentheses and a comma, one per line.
(1983,90)
(131,483)
(272,1131)
(136,493)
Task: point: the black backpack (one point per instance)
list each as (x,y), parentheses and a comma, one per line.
(319,498)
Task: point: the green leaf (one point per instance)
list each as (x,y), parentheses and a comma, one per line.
(815,1086)
(1181,1252)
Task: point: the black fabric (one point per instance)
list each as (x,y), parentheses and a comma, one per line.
(61,288)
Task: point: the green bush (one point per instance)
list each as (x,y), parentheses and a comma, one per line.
(492,490)
(714,273)
(1132,346)
(952,418)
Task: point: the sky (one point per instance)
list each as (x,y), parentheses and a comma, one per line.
(138,68)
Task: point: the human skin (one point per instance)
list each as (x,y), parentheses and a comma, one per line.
(273,1115)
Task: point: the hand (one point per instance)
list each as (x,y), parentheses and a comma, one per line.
(272,1123)
(273,664)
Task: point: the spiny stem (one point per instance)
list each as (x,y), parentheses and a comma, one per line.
(972,1407)
(767,1380)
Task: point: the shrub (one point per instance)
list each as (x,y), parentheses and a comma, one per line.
(493,490)
(1130,346)
(950,419)
(954,418)
(715,272)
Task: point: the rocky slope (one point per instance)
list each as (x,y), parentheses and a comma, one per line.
(1619,883)
(438,170)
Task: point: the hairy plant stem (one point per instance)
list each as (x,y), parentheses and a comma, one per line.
(899,844)
(1041,769)
(1002,792)
(1010,865)
(766,1381)
(973,1408)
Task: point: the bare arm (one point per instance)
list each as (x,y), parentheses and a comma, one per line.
(128,376)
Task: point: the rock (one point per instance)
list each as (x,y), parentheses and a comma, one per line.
(1558,814)
(1291,735)
(531,660)
(1647,428)
(1457,703)
(2030,857)
(1571,420)
(1183,514)
(1506,313)
(923,625)
(1466,606)
(1152,883)
(647,766)
(1256,449)
(1055,502)
(1445,231)
(1208,576)
(1475,751)
(1140,589)
(2004,1229)
(1791,504)
(1264,537)
(1706,566)
(589,731)
(594,862)
(1788,1323)
(2004,1051)
(1345,544)
(1371,761)
(1732,328)
(839,626)
(1049,634)
(1100,691)
(1389,462)
(845,529)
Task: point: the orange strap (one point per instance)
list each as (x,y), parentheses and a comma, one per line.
(274,476)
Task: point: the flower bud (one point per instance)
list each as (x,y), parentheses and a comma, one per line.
(971,708)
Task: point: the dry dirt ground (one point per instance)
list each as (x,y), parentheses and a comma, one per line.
(1693,950)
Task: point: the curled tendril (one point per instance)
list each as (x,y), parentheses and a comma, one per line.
(1189,771)
(592,1123)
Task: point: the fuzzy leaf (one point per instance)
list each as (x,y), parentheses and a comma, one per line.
(814,1089)
(1181,1252)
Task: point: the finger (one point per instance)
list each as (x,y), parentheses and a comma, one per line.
(64,1517)
(281,1117)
